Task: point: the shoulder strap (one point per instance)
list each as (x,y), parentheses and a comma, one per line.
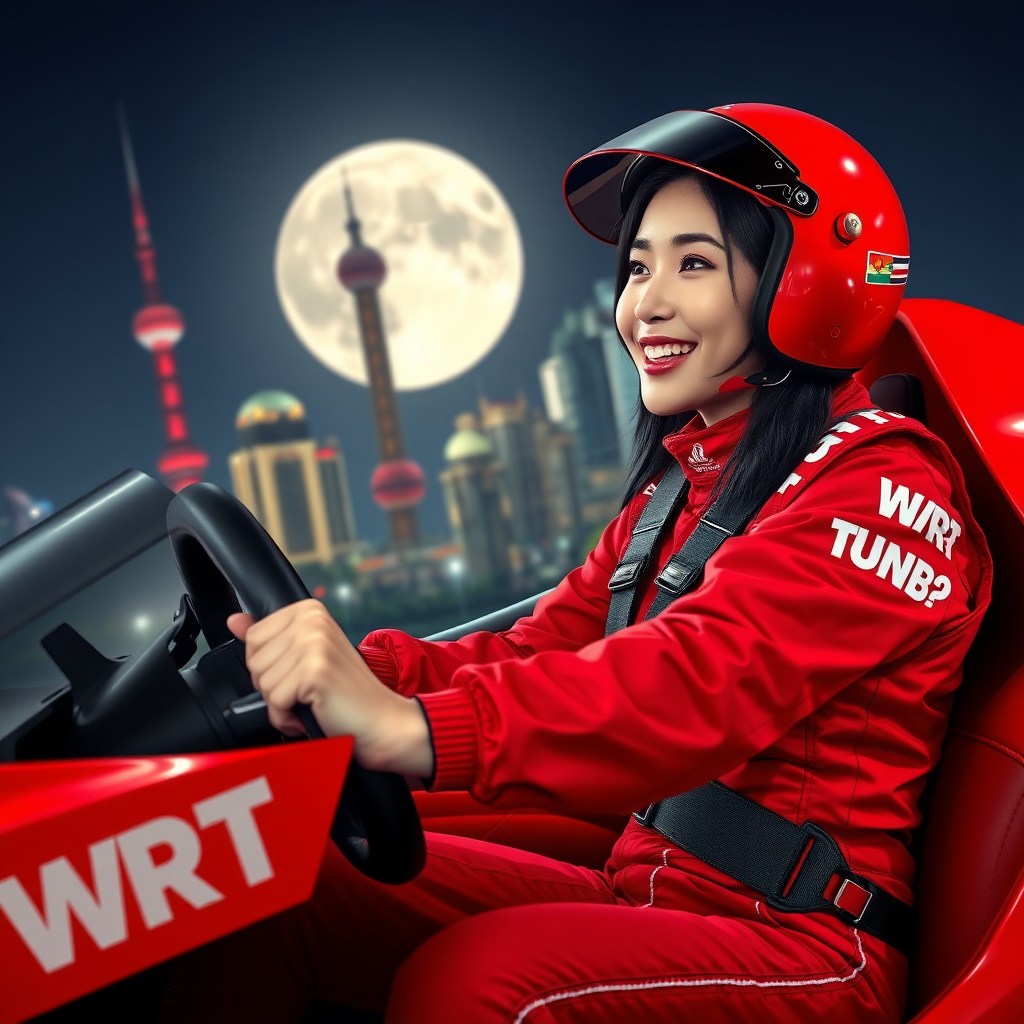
(659,511)
(726,518)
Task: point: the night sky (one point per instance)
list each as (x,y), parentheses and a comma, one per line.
(232,106)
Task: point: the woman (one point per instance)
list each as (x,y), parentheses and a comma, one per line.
(806,669)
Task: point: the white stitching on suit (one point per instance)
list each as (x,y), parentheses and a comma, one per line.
(663,864)
(694,983)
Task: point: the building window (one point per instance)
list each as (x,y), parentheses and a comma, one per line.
(257,493)
(330,479)
(294,506)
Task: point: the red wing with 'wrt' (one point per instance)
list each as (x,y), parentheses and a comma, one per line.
(111,865)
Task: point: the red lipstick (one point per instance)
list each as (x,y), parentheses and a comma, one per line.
(664,364)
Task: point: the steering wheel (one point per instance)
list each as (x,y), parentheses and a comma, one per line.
(221,550)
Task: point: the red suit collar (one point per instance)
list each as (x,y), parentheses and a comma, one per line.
(702,451)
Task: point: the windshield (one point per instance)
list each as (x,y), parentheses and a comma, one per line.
(120,613)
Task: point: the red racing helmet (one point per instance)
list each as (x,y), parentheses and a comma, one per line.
(840,256)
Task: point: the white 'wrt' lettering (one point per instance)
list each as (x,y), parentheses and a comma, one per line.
(151,881)
(48,935)
(234,807)
(898,500)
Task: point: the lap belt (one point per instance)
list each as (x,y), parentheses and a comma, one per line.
(798,868)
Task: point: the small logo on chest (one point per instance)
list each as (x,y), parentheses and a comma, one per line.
(700,462)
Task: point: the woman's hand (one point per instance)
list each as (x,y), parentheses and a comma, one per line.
(299,655)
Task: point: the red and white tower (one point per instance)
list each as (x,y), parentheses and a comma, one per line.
(158,327)
(398,484)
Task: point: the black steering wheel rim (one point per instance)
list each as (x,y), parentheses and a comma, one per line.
(221,551)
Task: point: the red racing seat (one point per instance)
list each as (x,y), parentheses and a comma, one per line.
(966,967)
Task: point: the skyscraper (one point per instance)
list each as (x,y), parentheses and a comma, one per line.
(337,494)
(623,380)
(477,509)
(509,428)
(578,397)
(582,382)
(554,447)
(158,327)
(398,484)
(298,491)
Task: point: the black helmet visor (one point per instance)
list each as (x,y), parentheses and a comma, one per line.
(600,185)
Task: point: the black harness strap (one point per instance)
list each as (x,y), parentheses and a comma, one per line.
(667,498)
(684,569)
(726,518)
(792,865)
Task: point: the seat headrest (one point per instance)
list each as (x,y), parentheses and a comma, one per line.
(899,392)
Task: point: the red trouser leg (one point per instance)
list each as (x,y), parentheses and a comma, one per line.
(490,933)
(607,964)
(346,942)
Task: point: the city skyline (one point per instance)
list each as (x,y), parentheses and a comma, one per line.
(519,485)
(224,144)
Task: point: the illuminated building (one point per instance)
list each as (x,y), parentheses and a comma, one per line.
(557,464)
(341,521)
(509,427)
(296,489)
(623,379)
(397,484)
(578,387)
(158,327)
(477,510)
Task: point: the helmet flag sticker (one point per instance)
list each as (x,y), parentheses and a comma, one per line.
(886,269)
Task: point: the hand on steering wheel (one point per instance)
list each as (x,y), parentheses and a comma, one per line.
(299,655)
(221,550)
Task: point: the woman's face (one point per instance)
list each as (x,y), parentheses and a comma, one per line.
(678,315)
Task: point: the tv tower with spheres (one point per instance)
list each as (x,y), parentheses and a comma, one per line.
(158,327)
(398,484)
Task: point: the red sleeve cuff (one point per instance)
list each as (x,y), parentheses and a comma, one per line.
(381,663)
(453,732)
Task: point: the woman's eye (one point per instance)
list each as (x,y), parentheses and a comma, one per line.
(636,267)
(693,263)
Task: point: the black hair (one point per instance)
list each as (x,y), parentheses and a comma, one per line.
(785,420)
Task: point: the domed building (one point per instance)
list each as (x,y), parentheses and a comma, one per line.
(297,489)
(271,417)
(467,442)
(478,511)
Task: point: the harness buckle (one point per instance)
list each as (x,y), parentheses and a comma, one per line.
(846,912)
(673,579)
(642,817)
(820,860)
(626,574)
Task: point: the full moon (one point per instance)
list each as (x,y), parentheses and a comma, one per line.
(452,249)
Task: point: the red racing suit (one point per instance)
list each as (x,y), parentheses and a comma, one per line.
(811,670)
